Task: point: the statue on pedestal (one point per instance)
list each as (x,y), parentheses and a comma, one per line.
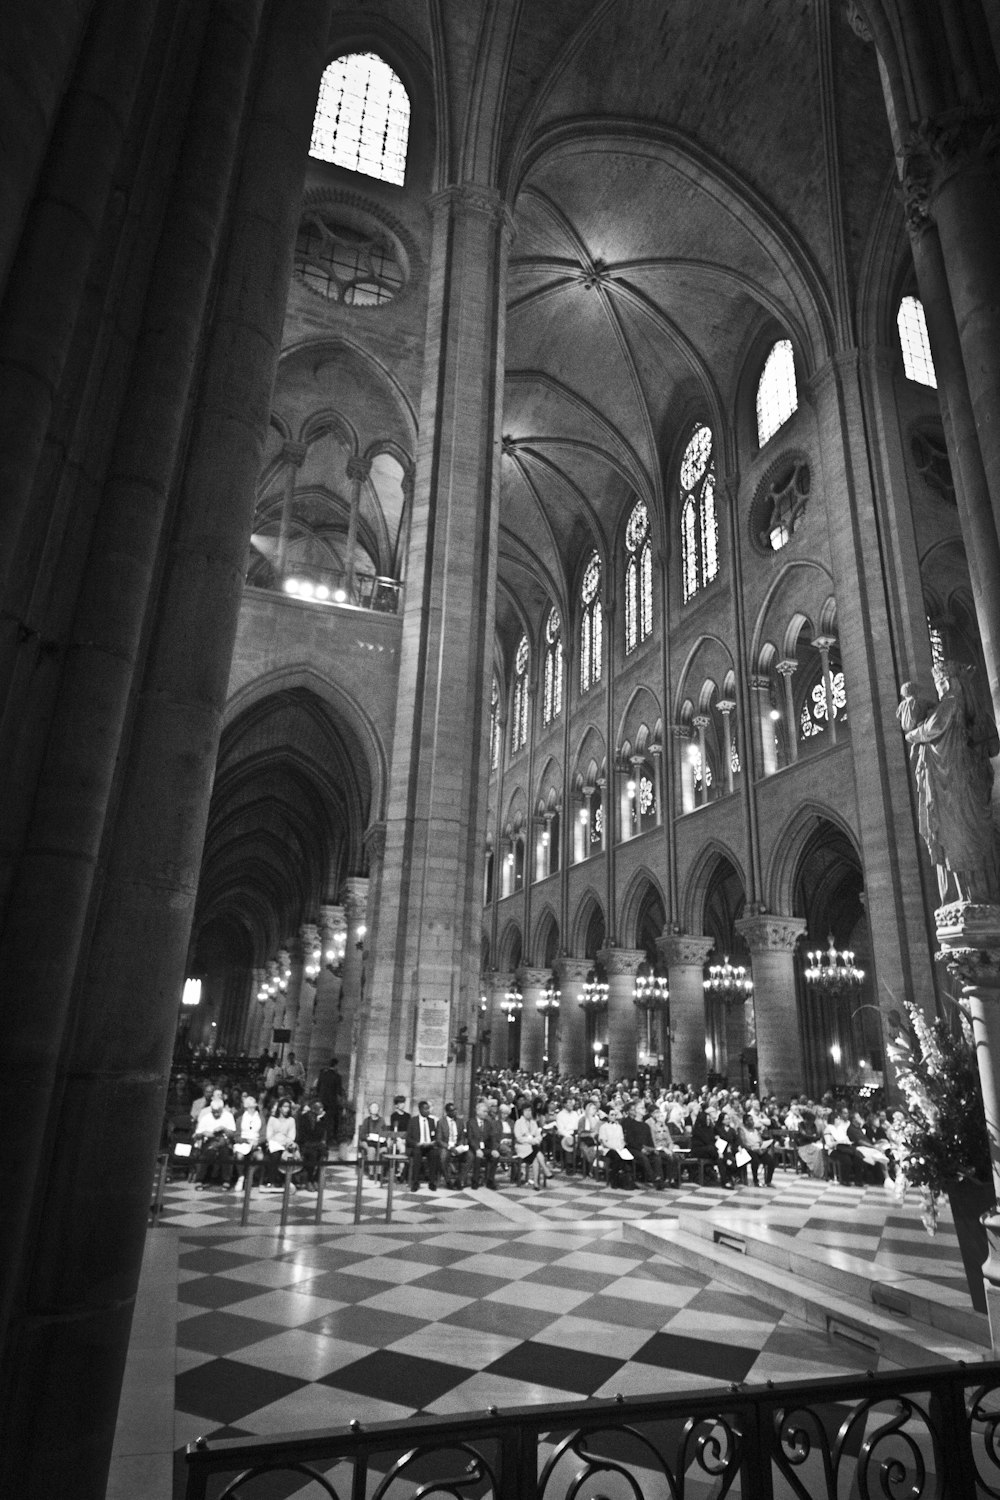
(951,743)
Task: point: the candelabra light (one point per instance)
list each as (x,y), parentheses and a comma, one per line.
(595,991)
(730,982)
(512,1003)
(650,989)
(832,971)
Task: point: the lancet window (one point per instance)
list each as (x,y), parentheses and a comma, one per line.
(638,578)
(699,521)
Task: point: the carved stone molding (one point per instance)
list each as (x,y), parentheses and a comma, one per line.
(684,949)
(621,961)
(938,147)
(374,843)
(473,198)
(969,934)
(771,934)
(573,970)
(358,468)
(857,22)
(534,979)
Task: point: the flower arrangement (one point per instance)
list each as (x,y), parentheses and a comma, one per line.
(944,1137)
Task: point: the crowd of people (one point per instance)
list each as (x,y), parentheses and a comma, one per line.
(522,1127)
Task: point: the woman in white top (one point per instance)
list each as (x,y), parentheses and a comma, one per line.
(527,1146)
(280,1140)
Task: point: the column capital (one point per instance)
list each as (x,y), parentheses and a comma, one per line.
(681,731)
(684,949)
(767,933)
(760,684)
(309,933)
(726,706)
(573,970)
(332,918)
(969,934)
(620,962)
(655,749)
(355,895)
(701,721)
(473,198)
(825,642)
(294,453)
(358,468)
(786,668)
(533,978)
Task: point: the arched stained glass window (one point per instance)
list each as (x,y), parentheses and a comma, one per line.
(914,343)
(362,118)
(638,578)
(495,725)
(552,676)
(777,396)
(591,625)
(519,706)
(699,521)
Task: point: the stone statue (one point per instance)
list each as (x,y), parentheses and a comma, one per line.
(951,742)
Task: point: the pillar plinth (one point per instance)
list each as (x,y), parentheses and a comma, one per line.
(685,955)
(772,942)
(621,966)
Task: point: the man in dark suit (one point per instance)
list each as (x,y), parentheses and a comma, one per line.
(422,1146)
(453,1147)
(399,1123)
(639,1140)
(484,1135)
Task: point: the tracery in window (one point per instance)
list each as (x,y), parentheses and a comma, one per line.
(358,268)
(552,674)
(780,510)
(813,718)
(914,343)
(777,396)
(638,578)
(519,704)
(699,522)
(937,645)
(591,625)
(362,118)
(495,725)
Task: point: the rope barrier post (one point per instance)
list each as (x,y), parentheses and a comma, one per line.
(391,1168)
(358,1189)
(320,1186)
(286,1195)
(249,1170)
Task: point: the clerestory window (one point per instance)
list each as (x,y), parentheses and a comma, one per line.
(638,578)
(362,118)
(777,396)
(519,704)
(591,625)
(914,343)
(699,522)
(552,674)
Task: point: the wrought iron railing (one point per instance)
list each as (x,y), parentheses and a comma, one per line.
(929,1434)
(330,586)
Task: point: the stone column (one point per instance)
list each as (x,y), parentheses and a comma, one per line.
(533,985)
(656,752)
(255,1030)
(701,723)
(329,989)
(573,1059)
(824,644)
(358,470)
(621,966)
(786,671)
(763,739)
(502,1026)
(606,812)
(586,815)
(294,455)
(352,999)
(772,941)
(685,955)
(726,707)
(430,922)
(309,948)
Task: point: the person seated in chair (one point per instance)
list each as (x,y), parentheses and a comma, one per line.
(422,1147)
(453,1148)
(249,1132)
(839,1140)
(619,1163)
(399,1124)
(703,1145)
(372,1138)
(639,1140)
(213,1141)
(313,1140)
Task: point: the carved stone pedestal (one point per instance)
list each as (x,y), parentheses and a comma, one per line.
(969,935)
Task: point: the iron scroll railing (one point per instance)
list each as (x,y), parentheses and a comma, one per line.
(929,1434)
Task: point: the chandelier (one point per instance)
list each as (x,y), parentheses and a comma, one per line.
(548,1000)
(832,971)
(650,989)
(512,1002)
(595,991)
(730,982)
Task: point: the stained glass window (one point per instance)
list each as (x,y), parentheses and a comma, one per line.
(777,396)
(914,343)
(638,578)
(519,706)
(362,118)
(699,521)
(495,726)
(591,625)
(812,720)
(937,645)
(552,676)
(345,264)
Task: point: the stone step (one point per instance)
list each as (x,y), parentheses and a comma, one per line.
(771,1267)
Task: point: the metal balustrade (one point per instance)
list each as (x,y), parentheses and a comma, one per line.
(929,1434)
(327,586)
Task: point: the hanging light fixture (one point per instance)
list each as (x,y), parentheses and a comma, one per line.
(595,991)
(833,972)
(512,1002)
(730,982)
(650,989)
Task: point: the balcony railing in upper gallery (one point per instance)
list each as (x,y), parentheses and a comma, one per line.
(331,587)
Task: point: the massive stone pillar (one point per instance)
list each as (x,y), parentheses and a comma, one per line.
(533,984)
(772,942)
(573,1059)
(352,996)
(621,966)
(95,1071)
(329,989)
(309,954)
(427,947)
(685,955)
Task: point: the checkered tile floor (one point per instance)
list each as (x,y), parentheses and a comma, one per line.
(470,1299)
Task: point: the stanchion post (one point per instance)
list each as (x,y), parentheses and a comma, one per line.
(251,1167)
(358,1189)
(286,1194)
(320,1185)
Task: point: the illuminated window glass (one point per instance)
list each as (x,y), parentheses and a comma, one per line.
(552,675)
(813,718)
(913,341)
(777,397)
(344,264)
(638,578)
(362,118)
(495,726)
(937,645)
(592,625)
(519,707)
(699,521)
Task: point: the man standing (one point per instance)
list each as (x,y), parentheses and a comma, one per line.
(330,1088)
(421,1146)
(294,1074)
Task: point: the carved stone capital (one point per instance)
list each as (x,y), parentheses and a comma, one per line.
(573,970)
(940,146)
(309,933)
(621,961)
(355,896)
(857,22)
(725,707)
(785,668)
(332,919)
(969,934)
(534,979)
(770,934)
(374,843)
(681,950)
(473,198)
